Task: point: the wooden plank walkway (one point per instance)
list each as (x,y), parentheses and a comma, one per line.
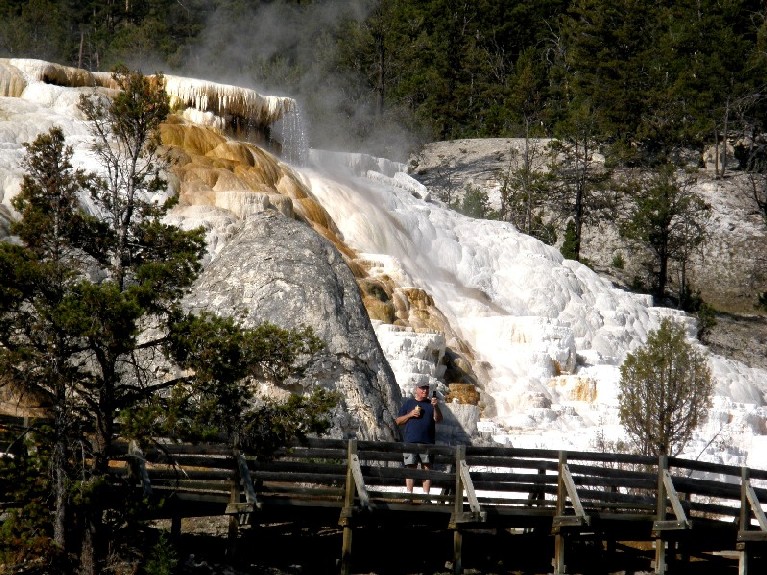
(684,508)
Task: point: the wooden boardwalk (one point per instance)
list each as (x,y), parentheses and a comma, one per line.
(686,510)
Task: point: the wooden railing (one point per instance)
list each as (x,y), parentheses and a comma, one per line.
(352,483)
(565,493)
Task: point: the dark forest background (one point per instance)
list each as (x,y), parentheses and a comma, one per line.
(647,78)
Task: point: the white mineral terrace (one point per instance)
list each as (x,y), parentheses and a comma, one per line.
(16,74)
(223,99)
(50,73)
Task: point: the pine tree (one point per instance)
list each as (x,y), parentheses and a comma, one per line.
(666,217)
(525,189)
(665,391)
(36,344)
(475,202)
(581,195)
(80,291)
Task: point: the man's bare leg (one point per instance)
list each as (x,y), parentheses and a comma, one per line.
(426,482)
(409,480)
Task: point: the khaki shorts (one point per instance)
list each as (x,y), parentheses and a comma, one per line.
(413,458)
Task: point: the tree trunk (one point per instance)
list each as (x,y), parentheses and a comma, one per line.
(683,281)
(716,153)
(662,274)
(528,194)
(87,551)
(725,128)
(80,51)
(58,463)
(381,80)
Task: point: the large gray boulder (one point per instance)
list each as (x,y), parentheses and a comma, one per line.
(279,270)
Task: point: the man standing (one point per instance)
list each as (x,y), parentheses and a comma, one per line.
(419,415)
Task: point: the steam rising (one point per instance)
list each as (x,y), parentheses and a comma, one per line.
(284,48)
(276,47)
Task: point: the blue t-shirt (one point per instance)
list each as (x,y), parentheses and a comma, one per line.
(418,429)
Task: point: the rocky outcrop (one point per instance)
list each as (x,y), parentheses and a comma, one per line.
(724,269)
(277,269)
(714,157)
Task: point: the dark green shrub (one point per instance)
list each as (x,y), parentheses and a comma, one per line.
(569,246)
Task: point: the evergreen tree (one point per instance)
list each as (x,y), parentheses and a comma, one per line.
(665,391)
(475,202)
(81,291)
(33,29)
(36,345)
(668,218)
(217,401)
(525,184)
(657,76)
(26,533)
(581,193)
(525,189)
(606,45)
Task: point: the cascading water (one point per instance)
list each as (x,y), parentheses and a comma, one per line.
(291,129)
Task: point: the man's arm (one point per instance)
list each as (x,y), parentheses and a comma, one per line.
(403,419)
(437,411)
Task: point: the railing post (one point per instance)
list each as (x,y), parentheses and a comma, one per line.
(559,540)
(346,513)
(660,542)
(175,528)
(233,531)
(745,521)
(460,457)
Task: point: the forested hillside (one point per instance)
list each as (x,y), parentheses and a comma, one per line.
(643,79)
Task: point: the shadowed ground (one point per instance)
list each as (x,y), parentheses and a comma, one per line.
(290,549)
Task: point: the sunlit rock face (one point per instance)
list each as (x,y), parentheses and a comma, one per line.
(238,177)
(519,310)
(240,112)
(419,358)
(415,357)
(29,106)
(26,71)
(226,101)
(12,81)
(276,269)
